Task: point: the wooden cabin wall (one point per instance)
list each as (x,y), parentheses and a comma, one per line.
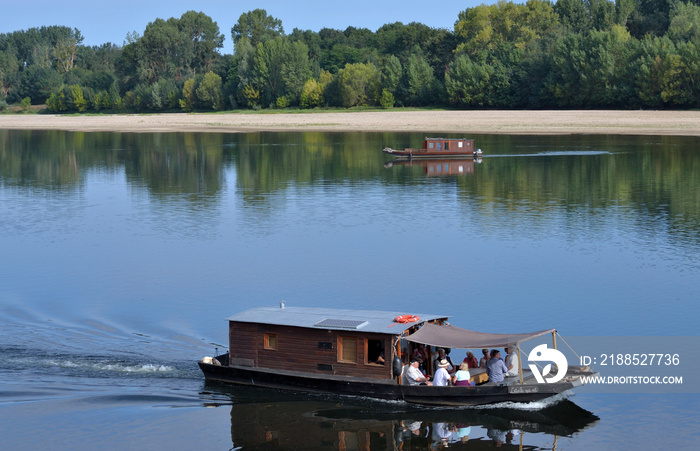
(298,350)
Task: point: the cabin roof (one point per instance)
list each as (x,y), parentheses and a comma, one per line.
(332,319)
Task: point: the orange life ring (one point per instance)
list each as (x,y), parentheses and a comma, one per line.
(406,319)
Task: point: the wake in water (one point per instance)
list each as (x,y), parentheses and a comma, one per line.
(146,368)
(555,153)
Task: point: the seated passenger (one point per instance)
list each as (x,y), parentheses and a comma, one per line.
(484,360)
(413,376)
(511,361)
(470,360)
(462,375)
(442,355)
(495,367)
(442,377)
(421,354)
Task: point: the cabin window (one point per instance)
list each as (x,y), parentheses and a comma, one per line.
(439,146)
(447,146)
(347,349)
(271,341)
(431,145)
(374,351)
(325,345)
(459,144)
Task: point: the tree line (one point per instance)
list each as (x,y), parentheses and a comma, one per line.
(577,54)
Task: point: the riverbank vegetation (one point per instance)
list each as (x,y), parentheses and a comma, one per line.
(574,54)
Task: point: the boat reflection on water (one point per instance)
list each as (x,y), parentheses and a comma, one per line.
(270,419)
(440,167)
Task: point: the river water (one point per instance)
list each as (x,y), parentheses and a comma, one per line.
(122,254)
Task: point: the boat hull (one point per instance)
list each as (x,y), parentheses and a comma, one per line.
(383,389)
(422,154)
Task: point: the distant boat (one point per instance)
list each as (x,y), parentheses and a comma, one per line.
(363,353)
(438,148)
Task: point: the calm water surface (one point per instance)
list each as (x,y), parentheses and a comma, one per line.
(122,254)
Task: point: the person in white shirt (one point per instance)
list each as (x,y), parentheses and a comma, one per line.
(413,376)
(511,360)
(442,377)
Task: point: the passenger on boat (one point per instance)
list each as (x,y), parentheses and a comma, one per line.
(421,353)
(470,360)
(511,361)
(495,368)
(414,376)
(442,377)
(485,359)
(462,375)
(442,355)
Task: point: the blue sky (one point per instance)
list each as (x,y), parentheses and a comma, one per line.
(108,21)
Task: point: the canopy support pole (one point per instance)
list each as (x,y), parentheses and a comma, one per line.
(554,339)
(520,364)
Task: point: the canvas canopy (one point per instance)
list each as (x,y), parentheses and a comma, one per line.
(455,337)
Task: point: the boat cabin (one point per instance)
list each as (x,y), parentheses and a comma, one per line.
(448,145)
(354,343)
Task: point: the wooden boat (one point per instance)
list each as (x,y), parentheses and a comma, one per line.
(363,353)
(438,148)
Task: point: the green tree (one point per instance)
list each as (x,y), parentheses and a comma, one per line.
(467,82)
(295,69)
(75,99)
(156,51)
(651,17)
(209,91)
(592,70)
(9,73)
(255,27)
(666,74)
(188,100)
(359,84)
(574,14)
(200,39)
(268,70)
(392,74)
(38,83)
(484,27)
(65,52)
(685,23)
(387,99)
(420,80)
(311,94)
(115,97)
(281,67)
(252,96)
(56,102)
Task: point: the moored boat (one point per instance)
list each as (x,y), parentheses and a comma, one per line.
(438,148)
(364,353)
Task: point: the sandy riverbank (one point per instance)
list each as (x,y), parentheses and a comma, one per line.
(681,123)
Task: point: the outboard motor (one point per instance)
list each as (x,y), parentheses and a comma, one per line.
(397,366)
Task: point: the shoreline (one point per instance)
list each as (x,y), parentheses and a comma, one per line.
(520,122)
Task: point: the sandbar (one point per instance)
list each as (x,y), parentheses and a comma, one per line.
(613,122)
